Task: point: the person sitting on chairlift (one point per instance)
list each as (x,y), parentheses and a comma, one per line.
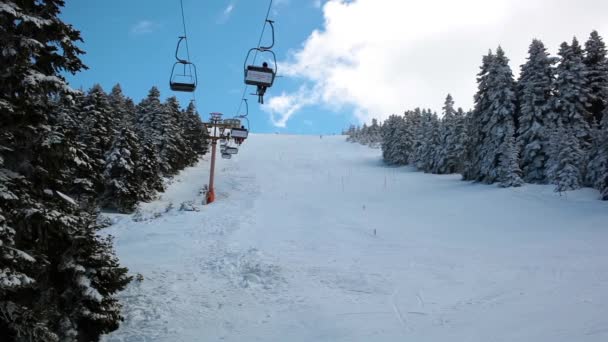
(262,89)
(239,141)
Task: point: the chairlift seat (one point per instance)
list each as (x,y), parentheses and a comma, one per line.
(239,133)
(232,150)
(259,76)
(226,156)
(233,122)
(179,86)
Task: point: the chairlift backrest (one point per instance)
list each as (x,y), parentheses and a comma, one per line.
(232,150)
(233,122)
(239,133)
(259,75)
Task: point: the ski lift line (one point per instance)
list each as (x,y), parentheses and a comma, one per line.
(181,3)
(256,53)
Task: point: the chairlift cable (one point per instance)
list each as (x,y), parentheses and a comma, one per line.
(181,3)
(255,55)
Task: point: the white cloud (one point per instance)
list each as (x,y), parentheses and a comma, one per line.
(316,3)
(225,15)
(228,9)
(282,107)
(144,27)
(384,56)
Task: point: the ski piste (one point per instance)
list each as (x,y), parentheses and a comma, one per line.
(315,239)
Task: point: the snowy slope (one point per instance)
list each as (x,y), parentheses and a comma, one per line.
(288,253)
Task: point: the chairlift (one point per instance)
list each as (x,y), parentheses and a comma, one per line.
(187,80)
(240,133)
(261,76)
(231,150)
(226,156)
(234,122)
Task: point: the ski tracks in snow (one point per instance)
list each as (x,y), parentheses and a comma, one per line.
(189,270)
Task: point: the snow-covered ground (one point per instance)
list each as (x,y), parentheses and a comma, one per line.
(316,240)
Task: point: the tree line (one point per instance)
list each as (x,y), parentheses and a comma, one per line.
(63,155)
(548,127)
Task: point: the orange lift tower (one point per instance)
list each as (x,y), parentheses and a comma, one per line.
(218,130)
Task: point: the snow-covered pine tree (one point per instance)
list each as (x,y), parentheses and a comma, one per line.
(374,134)
(173,147)
(597,75)
(572,92)
(597,83)
(499,158)
(572,97)
(457,152)
(41,297)
(80,177)
(421,122)
(568,156)
(149,127)
(535,91)
(406,131)
(434,144)
(123,110)
(97,131)
(476,134)
(195,133)
(449,154)
(390,154)
(598,168)
(149,119)
(121,176)
(148,170)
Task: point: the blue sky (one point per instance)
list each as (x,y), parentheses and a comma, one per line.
(342,61)
(133,42)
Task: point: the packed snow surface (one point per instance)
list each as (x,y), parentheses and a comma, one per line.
(314,239)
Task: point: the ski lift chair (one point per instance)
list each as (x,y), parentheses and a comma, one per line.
(239,134)
(260,76)
(232,150)
(187,80)
(226,156)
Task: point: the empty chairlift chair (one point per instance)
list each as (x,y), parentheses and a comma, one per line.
(185,81)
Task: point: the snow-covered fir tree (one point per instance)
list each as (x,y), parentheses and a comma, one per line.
(572,96)
(122,179)
(57,277)
(597,75)
(97,131)
(390,152)
(536,118)
(450,152)
(566,160)
(572,93)
(194,133)
(476,134)
(495,113)
(597,83)
(367,135)
(173,146)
